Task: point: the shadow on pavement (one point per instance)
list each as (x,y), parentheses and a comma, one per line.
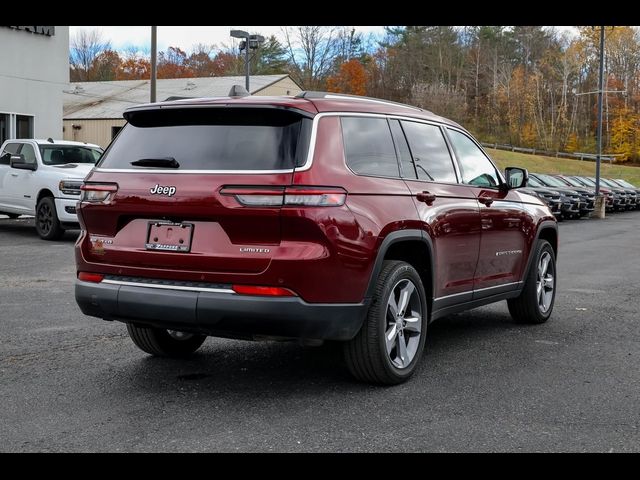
(25,228)
(281,369)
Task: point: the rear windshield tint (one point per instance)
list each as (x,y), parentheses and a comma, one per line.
(213,139)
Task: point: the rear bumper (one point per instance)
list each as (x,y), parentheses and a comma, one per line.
(220,314)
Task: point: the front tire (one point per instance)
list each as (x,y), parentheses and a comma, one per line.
(47,223)
(389,346)
(164,343)
(535,303)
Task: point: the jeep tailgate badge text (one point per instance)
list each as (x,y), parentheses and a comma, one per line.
(160,190)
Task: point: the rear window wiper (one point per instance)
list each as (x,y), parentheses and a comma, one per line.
(163,162)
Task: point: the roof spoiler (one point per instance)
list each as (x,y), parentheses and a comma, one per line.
(238,91)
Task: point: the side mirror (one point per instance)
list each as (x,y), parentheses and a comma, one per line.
(516,177)
(17,161)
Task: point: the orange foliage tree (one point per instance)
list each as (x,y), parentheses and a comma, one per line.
(351,78)
(173,64)
(134,68)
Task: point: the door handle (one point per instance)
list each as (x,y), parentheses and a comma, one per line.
(14,174)
(426,197)
(486,201)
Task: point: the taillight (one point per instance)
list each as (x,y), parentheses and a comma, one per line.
(315,196)
(256,196)
(90,277)
(298,196)
(97,192)
(264,291)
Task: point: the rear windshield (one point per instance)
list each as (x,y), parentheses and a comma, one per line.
(212,139)
(63,154)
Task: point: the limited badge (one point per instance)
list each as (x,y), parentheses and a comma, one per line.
(98,243)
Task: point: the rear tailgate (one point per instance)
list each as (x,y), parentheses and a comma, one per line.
(155,208)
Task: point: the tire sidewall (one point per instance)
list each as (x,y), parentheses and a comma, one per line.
(543,246)
(403,271)
(55,230)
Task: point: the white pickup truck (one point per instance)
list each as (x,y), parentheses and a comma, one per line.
(43,178)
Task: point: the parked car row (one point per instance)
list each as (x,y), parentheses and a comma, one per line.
(573,196)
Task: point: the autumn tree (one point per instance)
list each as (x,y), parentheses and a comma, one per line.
(225,63)
(173,64)
(311,51)
(200,62)
(105,66)
(85,46)
(351,78)
(625,134)
(134,66)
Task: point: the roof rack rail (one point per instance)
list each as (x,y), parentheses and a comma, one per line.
(317,94)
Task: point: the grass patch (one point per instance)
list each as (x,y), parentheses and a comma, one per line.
(542,164)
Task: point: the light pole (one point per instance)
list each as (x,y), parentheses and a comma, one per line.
(600,89)
(250,42)
(154,59)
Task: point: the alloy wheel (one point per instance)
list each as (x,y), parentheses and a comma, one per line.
(403,323)
(45,218)
(545,282)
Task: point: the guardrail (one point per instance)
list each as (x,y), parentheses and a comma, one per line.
(575,155)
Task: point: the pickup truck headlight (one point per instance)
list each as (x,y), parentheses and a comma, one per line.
(70,187)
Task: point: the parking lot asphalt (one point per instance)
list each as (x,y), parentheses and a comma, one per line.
(74,383)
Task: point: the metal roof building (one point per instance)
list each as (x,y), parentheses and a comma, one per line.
(93,110)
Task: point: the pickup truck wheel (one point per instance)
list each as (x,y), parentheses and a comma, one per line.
(390,343)
(164,343)
(47,223)
(535,303)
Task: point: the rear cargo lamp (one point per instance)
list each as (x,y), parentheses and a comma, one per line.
(97,192)
(264,291)
(300,196)
(90,277)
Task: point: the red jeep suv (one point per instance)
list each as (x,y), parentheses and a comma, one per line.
(315,217)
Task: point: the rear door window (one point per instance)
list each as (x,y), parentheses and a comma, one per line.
(29,153)
(430,153)
(226,139)
(368,146)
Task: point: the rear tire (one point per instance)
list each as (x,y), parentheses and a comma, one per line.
(390,344)
(164,343)
(535,303)
(47,223)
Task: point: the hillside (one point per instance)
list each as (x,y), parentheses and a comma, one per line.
(541,164)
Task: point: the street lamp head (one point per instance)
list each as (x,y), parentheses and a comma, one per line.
(239,34)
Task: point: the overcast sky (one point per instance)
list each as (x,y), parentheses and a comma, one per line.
(186,37)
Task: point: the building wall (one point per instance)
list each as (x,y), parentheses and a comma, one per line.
(286,86)
(91,131)
(34,69)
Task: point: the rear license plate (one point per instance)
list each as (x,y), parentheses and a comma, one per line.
(169,237)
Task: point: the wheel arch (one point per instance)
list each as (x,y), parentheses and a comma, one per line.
(44,192)
(412,246)
(547,230)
